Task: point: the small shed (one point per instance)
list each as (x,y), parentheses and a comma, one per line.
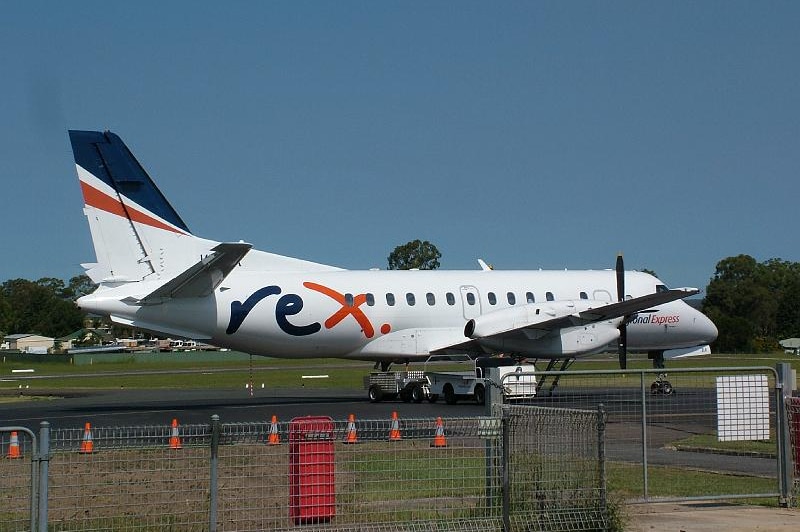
(791,345)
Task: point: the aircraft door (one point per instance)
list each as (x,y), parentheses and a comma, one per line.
(471,302)
(602,295)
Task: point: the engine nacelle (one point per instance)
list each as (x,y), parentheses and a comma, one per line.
(513,318)
(513,330)
(568,341)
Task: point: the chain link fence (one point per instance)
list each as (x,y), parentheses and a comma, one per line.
(546,465)
(18,479)
(705,434)
(556,474)
(532,467)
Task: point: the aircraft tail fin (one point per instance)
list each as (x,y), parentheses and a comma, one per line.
(136,233)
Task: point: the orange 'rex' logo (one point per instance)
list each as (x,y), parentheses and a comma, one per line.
(346,310)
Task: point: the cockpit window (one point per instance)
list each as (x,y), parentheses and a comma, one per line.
(661,288)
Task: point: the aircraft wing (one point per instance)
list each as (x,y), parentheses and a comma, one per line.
(555,327)
(559,314)
(201,278)
(636,304)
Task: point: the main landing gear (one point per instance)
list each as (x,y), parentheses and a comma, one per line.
(661,385)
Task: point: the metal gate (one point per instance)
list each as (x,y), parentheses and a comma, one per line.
(717,425)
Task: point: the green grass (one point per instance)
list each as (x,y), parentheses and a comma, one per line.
(626,480)
(640,361)
(273,373)
(711,443)
(343,374)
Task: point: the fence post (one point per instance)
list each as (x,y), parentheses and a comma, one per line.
(490,430)
(44,463)
(212,488)
(601,456)
(644,436)
(783,391)
(34,496)
(494,392)
(506,473)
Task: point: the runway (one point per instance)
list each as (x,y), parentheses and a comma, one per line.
(153,407)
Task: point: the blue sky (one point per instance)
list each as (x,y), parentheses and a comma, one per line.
(531,134)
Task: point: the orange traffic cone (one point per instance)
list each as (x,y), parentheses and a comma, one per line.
(87,445)
(351,437)
(13,447)
(439,439)
(394,432)
(174,438)
(274,438)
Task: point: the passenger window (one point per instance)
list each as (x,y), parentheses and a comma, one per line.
(390,299)
(512,299)
(431,299)
(348,300)
(370,300)
(529,297)
(451,299)
(410,299)
(584,296)
(470,298)
(549,296)
(492,298)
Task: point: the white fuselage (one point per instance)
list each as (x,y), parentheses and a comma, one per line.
(348,313)
(154,274)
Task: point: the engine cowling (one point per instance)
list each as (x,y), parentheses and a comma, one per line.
(514,330)
(513,318)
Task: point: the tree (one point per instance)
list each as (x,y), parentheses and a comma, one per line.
(649,271)
(37,307)
(415,254)
(753,304)
(80,285)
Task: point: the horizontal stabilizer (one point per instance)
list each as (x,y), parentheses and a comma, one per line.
(202,278)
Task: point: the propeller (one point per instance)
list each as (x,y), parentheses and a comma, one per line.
(622,346)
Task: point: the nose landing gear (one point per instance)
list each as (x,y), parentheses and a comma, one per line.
(662,385)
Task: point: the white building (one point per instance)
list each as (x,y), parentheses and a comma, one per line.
(29,343)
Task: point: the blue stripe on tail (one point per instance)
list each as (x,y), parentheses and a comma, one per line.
(109,159)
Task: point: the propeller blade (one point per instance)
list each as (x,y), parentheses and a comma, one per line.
(622,347)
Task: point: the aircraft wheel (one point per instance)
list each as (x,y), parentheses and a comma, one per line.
(449,395)
(375,394)
(667,388)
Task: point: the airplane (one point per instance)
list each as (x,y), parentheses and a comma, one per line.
(153,273)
